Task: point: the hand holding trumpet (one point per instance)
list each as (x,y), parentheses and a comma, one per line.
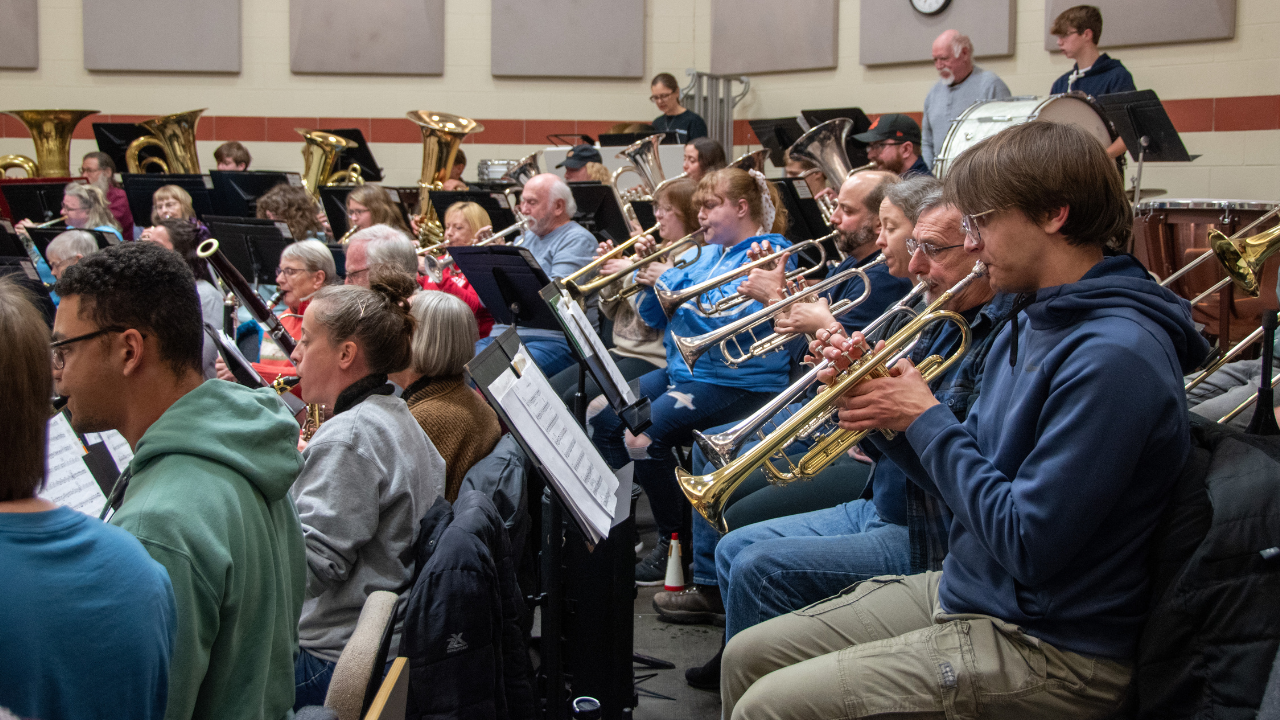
(765,284)
(649,274)
(888,403)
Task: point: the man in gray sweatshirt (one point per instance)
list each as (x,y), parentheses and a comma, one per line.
(962,84)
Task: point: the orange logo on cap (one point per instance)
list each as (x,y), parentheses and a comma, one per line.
(877,122)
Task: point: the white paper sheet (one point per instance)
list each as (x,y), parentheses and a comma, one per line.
(585,481)
(68,480)
(119,448)
(589,342)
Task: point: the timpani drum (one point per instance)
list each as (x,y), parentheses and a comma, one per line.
(1170,233)
(988,117)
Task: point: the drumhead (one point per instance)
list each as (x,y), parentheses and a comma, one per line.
(988,117)
(1205,204)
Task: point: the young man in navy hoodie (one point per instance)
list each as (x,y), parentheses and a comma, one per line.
(1079,29)
(1056,478)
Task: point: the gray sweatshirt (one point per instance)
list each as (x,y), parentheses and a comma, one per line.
(369,475)
(944,103)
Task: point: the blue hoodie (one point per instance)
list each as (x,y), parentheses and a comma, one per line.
(1105,76)
(1061,470)
(767,374)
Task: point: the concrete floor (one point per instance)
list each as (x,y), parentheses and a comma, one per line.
(684,645)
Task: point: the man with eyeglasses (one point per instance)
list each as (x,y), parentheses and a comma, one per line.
(675,118)
(777,566)
(893,144)
(1056,478)
(100,170)
(1078,30)
(207,491)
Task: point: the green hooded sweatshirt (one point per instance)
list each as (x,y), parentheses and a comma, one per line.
(209,499)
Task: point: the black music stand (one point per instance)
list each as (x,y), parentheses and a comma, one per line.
(236,192)
(1147,131)
(586,593)
(855,150)
(253,246)
(361,154)
(509,282)
(141,189)
(41,237)
(11,244)
(23,272)
(114,140)
(644,213)
(778,134)
(333,199)
(500,212)
(339,253)
(599,212)
(37,199)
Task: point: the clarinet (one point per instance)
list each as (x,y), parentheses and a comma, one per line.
(251,301)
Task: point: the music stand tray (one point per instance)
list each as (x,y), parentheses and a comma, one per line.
(777,134)
(599,211)
(41,237)
(509,282)
(500,212)
(1148,133)
(38,199)
(253,246)
(236,192)
(141,189)
(361,154)
(333,199)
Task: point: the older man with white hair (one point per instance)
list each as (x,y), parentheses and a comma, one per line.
(69,248)
(560,246)
(378,244)
(962,84)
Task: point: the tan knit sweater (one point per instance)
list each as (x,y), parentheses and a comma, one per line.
(460,424)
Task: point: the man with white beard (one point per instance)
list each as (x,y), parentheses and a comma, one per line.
(962,84)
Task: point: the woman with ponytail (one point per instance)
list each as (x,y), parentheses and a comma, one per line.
(737,209)
(369,473)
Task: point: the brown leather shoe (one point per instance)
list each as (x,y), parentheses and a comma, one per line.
(695,605)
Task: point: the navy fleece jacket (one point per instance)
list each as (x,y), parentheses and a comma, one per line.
(1060,471)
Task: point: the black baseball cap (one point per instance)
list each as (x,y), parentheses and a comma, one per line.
(580,155)
(895,127)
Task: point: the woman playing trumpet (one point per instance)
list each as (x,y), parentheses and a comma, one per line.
(465,223)
(736,209)
(637,347)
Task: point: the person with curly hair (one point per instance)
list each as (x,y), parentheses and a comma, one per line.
(294,207)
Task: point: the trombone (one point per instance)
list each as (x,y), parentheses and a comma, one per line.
(722,447)
(691,348)
(671,300)
(708,493)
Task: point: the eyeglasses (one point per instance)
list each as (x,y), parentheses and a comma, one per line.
(71,208)
(59,354)
(880,145)
(969,223)
(930,250)
(86,171)
(658,98)
(289,272)
(358,213)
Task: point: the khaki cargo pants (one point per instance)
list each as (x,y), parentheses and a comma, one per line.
(884,647)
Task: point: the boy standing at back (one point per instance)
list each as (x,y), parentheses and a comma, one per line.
(1079,30)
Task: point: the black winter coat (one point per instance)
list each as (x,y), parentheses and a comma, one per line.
(1214,626)
(467,657)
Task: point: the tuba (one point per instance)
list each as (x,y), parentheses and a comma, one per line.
(823,146)
(644,162)
(522,173)
(51,132)
(319,155)
(173,134)
(442,133)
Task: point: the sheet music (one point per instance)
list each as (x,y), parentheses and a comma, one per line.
(589,342)
(119,448)
(586,482)
(68,481)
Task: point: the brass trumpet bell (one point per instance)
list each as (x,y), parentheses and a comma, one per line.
(175,135)
(51,133)
(319,154)
(1243,258)
(442,133)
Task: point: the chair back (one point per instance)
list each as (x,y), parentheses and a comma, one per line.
(361,660)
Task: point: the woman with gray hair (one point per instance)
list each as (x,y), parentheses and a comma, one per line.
(460,424)
(369,473)
(85,208)
(901,207)
(67,249)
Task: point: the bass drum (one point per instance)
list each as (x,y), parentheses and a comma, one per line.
(988,117)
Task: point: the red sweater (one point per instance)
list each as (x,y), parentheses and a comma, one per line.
(455,283)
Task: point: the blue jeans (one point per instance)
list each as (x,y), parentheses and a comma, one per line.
(777,566)
(311,677)
(675,411)
(550,354)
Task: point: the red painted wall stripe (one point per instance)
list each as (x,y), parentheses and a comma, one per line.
(1232,114)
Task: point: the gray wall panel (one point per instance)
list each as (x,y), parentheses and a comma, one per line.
(162,35)
(19,33)
(1152,22)
(761,36)
(567,38)
(891,31)
(387,37)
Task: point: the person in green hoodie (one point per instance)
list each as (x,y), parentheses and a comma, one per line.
(207,491)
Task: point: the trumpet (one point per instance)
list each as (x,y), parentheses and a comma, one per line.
(722,447)
(708,493)
(570,282)
(671,300)
(437,258)
(691,348)
(693,240)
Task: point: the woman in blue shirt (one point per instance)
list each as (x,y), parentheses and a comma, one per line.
(737,209)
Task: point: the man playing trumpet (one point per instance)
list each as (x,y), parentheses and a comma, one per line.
(1056,478)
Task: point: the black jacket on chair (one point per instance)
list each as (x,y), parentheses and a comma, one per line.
(467,657)
(1214,625)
